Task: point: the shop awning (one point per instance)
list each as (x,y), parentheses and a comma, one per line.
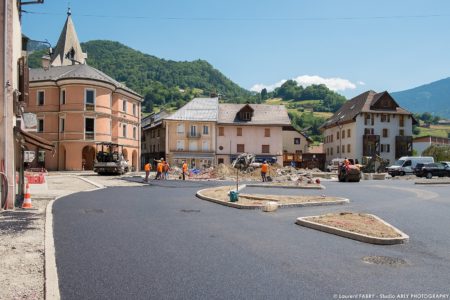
(35,140)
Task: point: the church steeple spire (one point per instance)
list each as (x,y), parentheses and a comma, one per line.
(68,50)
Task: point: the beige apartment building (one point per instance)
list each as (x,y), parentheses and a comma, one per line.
(251,128)
(77,106)
(190,133)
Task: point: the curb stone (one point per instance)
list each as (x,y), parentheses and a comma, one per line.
(353,235)
(51,281)
(200,195)
(314,187)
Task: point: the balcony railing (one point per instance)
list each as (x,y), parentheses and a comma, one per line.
(90,107)
(89,135)
(194,135)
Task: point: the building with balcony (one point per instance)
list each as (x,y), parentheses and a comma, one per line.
(190,133)
(251,128)
(77,106)
(367,125)
(153,139)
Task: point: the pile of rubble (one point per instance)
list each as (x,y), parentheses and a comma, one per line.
(226,172)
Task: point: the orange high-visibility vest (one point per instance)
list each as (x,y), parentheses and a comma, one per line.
(185,167)
(147,167)
(160,167)
(264,168)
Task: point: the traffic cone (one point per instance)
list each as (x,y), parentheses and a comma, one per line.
(27,198)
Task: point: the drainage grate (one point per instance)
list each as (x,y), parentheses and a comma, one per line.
(190,210)
(93,211)
(384,260)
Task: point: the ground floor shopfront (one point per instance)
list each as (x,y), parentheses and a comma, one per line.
(194,160)
(75,156)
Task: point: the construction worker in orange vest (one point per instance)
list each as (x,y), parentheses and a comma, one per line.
(159,169)
(166,169)
(184,170)
(264,169)
(147,169)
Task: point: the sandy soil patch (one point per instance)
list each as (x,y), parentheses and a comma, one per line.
(22,252)
(257,200)
(356,222)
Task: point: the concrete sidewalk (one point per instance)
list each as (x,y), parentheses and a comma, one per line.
(22,232)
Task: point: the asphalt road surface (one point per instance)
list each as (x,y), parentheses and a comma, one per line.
(161,242)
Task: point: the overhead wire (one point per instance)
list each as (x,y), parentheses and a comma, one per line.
(232,19)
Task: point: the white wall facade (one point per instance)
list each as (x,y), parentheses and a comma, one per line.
(357,129)
(331,144)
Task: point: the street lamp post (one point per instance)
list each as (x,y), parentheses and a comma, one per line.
(340,138)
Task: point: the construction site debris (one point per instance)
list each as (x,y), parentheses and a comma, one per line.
(253,173)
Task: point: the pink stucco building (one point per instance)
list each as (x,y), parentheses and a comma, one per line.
(77,105)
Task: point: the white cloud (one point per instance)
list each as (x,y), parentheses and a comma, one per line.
(259,86)
(361,83)
(334,83)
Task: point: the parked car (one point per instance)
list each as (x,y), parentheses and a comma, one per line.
(406,164)
(334,164)
(433,169)
(447,163)
(418,168)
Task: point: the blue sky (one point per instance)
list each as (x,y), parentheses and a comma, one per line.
(351,45)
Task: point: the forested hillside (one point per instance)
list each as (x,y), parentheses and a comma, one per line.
(161,82)
(308,107)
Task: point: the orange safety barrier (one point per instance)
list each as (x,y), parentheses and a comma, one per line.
(35,178)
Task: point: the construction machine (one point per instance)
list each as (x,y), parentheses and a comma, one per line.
(349,173)
(109,159)
(244,161)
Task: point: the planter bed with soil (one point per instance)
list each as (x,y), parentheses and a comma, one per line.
(257,201)
(358,226)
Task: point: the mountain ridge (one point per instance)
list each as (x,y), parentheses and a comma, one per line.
(432,97)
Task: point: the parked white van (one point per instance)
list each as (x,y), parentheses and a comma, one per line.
(406,164)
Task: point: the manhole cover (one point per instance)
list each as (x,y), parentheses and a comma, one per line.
(190,210)
(384,260)
(93,211)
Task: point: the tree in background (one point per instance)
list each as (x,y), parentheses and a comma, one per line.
(439,152)
(264,94)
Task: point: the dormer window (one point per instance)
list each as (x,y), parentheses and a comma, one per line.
(245,113)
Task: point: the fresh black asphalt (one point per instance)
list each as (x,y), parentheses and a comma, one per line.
(161,242)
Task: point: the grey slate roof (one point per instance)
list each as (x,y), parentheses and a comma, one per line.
(263,114)
(198,109)
(360,104)
(67,42)
(75,72)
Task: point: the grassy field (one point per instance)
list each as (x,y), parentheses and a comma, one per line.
(316,114)
(435,130)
